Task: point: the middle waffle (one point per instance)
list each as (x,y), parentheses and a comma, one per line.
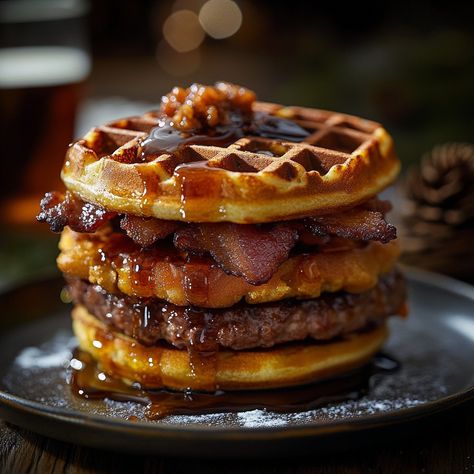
(117,264)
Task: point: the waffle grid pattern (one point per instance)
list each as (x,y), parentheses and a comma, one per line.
(333,139)
(343,161)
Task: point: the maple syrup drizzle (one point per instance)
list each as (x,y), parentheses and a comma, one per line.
(88,381)
(167,139)
(198,186)
(193,177)
(150,189)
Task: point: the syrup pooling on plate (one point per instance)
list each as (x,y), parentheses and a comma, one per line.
(87,380)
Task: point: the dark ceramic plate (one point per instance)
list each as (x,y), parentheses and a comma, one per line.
(435,346)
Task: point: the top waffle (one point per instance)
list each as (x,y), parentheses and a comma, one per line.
(341,160)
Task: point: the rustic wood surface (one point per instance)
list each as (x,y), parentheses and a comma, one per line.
(441,444)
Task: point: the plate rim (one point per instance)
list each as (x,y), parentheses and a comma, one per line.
(22,405)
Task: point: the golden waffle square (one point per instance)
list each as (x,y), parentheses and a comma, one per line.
(344,160)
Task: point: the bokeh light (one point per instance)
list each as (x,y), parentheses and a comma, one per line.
(183,31)
(220,18)
(177,64)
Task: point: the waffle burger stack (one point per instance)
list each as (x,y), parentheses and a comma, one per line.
(224,243)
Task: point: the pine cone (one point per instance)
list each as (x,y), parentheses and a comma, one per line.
(437,218)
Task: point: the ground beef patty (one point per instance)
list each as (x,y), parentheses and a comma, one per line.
(242,326)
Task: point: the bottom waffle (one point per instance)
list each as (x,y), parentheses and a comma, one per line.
(164,366)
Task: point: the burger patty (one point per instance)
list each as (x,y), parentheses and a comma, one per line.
(242,326)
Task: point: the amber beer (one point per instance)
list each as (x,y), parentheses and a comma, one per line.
(40,88)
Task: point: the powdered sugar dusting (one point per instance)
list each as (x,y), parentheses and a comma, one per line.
(260,418)
(349,409)
(54,353)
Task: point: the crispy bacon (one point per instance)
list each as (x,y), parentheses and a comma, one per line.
(251,251)
(355,224)
(145,231)
(61,210)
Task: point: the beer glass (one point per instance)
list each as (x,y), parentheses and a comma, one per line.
(44,63)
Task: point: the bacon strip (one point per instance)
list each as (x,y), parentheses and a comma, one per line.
(355,224)
(145,231)
(250,251)
(61,210)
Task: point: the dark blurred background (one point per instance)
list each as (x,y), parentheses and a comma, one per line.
(409,65)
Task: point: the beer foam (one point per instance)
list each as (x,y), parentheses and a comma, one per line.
(39,66)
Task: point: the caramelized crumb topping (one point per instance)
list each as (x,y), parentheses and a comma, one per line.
(201,107)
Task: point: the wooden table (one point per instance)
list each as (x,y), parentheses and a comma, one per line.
(441,444)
